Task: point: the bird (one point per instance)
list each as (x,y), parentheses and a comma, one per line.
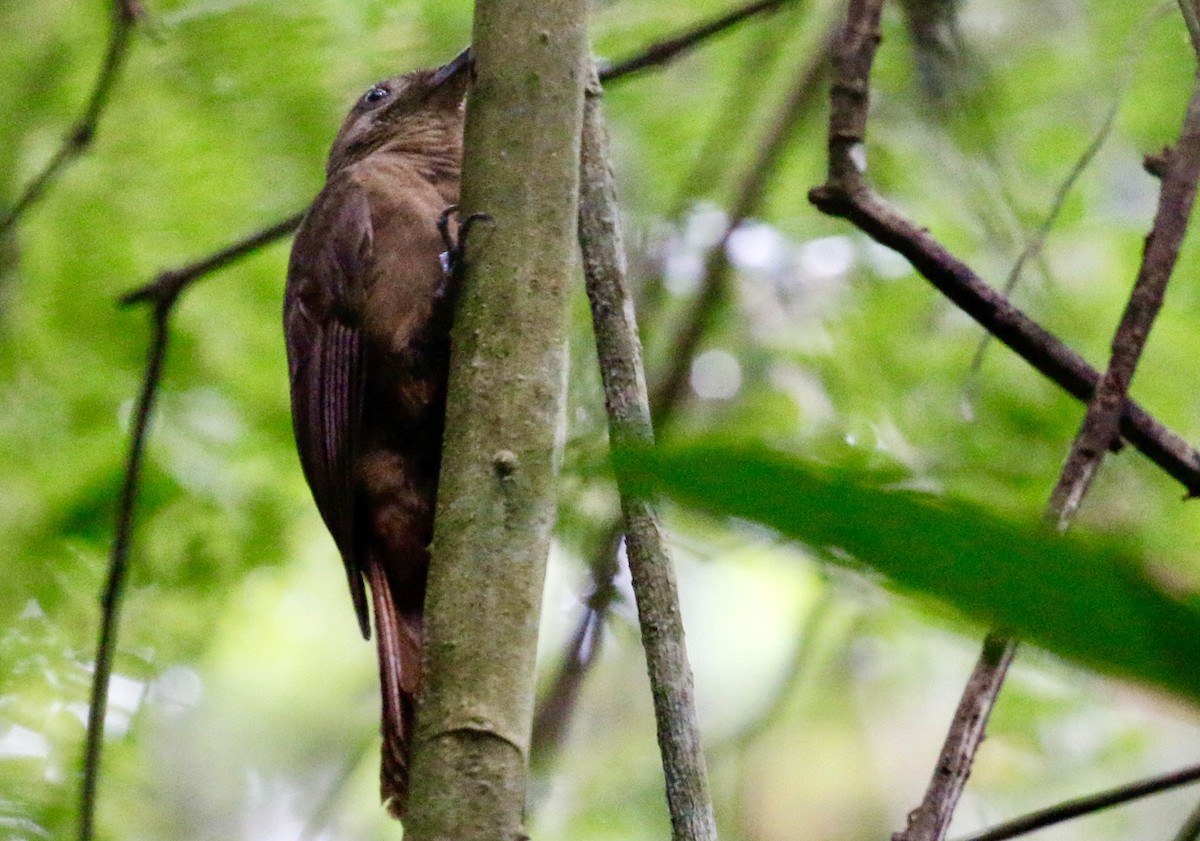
(368,307)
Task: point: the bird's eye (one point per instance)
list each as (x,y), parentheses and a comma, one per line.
(375,94)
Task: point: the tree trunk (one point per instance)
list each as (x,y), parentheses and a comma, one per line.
(496,498)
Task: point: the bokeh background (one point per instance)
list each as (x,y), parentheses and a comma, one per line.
(244,704)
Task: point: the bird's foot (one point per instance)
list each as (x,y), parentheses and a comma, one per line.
(454,257)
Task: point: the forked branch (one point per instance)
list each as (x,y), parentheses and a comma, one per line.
(162,294)
(847,193)
(1179,168)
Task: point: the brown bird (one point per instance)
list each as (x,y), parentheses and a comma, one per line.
(367,315)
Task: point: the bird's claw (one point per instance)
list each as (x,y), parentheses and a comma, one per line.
(453,258)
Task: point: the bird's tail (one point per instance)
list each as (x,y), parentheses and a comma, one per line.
(399,636)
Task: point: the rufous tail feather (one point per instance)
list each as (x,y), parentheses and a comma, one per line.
(398,637)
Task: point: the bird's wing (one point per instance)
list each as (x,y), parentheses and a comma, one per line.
(331,257)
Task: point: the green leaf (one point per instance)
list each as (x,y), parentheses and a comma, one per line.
(1081,598)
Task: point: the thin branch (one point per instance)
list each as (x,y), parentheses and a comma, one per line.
(1135,48)
(164,290)
(846,194)
(161,294)
(125,15)
(930,820)
(1099,431)
(669,49)
(128,12)
(118,567)
(172,282)
(559,701)
(1045,352)
(668,391)
(657,54)
(1079,807)
(629,425)
(557,706)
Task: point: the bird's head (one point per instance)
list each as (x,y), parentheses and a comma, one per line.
(419,113)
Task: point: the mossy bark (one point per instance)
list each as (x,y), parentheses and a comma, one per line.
(496,505)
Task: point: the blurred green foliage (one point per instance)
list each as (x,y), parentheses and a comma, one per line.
(245,702)
(1084,599)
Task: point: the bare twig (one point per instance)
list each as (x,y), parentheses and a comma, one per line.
(128,12)
(169,284)
(553,714)
(1014,328)
(1087,805)
(125,15)
(1098,433)
(162,295)
(559,700)
(629,425)
(164,290)
(557,705)
(1100,425)
(668,390)
(672,48)
(847,194)
(655,55)
(932,818)
(1033,247)
(118,566)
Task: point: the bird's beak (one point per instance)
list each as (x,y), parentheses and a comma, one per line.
(448,71)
